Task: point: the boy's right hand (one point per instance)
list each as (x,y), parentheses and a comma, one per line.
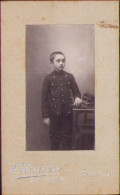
(47,121)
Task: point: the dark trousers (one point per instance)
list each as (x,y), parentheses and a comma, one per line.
(61,132)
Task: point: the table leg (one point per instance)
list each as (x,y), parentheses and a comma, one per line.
(75,121)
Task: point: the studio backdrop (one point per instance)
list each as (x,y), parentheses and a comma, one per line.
(78,45)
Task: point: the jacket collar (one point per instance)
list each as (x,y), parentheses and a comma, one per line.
(58,72)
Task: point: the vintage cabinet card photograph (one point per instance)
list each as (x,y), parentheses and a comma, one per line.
(60,93)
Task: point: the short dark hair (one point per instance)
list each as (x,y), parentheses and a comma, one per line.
(52,55)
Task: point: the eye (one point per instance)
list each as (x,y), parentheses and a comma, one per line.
(63,60)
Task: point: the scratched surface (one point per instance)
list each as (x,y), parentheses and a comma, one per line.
(73,172)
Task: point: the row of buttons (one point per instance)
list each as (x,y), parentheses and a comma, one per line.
(59,113)
(62,93)
(62,99)
(61,83)
(61,90)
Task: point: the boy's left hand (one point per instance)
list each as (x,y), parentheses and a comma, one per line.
(77,101)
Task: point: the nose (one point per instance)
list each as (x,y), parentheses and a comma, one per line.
(61,63)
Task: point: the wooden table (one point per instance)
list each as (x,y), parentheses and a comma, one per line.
(83,131)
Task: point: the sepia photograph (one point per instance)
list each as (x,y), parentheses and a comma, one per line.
(60,116)
(60,95)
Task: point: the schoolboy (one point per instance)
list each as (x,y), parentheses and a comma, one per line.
(59,93)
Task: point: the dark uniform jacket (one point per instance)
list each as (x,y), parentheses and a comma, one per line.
(59,89)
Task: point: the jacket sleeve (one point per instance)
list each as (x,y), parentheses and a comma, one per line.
(44,99)
(75,89)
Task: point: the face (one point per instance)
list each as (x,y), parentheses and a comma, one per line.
(59,62)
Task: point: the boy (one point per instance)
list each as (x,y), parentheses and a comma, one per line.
(59,90)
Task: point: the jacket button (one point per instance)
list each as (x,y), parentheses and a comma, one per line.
(53,98)
(69,82)
(53,77)
(55,106)
(57,113)
(61,84)
(52,84)
(61,89)
(52,91)
(65,75)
